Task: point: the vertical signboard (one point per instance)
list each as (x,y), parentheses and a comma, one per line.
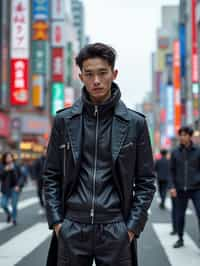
(58,34)
(170,111)
(57,101)
(39,57)
(19,82)
(177,84)
(40,10)
(194,58)
(38,83)
(58,9)
(19,45)
(20,28)
(58,64)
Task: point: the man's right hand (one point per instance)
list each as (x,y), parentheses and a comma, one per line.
(57,229)
(173,192)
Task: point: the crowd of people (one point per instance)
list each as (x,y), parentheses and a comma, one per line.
(179,173)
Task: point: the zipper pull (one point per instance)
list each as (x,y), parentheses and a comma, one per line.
(92,215)
(68,145)
(95,110)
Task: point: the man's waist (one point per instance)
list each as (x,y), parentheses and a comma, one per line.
(99,216)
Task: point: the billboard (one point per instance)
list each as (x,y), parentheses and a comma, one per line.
(38,89)
(170,110)
(58,34)
(39,57)
(58,10)
(19,82)
(177,84)
(20,17)
(40,31)
(58,64)
(40,10)
(57,100)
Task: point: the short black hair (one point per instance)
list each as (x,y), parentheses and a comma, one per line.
(187,130)
(94,50)
(163,152)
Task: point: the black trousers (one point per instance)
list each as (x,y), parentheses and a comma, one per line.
(182,202)
(107,244)
(162,188)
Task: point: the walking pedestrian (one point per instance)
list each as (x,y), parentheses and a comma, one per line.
(162,174)
(99,176)
(185,183)
(11,184)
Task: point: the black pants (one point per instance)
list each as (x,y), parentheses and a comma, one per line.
(182,202)
(79,244)
(174,214)
(162,188)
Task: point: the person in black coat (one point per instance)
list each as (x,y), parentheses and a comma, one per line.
(185,181)
(99,175)
(163,174)
(10,186)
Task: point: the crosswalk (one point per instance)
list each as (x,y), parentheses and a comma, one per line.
(22,241)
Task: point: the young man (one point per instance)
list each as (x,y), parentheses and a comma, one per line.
(99,179)
(185,185)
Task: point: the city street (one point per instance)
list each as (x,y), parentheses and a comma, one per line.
(27,243)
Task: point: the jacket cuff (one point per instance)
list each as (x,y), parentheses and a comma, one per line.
(136,227)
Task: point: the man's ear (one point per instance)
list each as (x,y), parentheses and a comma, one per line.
(80,76)
(115,73)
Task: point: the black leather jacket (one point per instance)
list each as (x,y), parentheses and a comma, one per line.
(132,164)
(185,168)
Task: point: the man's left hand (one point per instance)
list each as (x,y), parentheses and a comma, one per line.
(131,235)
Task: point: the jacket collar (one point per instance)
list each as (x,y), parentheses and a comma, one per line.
(121,110)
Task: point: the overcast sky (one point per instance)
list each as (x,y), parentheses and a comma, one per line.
(130,27)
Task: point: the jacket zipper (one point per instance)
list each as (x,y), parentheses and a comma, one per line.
(186,170)
(95,164)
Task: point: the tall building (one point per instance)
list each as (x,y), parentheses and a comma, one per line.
(79,20)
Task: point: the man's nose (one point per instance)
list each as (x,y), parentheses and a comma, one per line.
(96,80)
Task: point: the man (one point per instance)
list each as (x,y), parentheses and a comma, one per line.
(99,180)
(162,171)
(185,185)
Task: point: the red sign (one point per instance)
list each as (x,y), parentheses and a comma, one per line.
(19,82)
(195,78)
(58,64)
(177,84)
(4,125)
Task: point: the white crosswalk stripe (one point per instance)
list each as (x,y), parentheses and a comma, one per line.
(4,226)
(187,255)
(12,252)
(25,203)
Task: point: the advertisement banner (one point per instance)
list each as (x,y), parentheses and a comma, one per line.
(57,97)
(39,57)
(58,9)
(68,97)
(40,31)
(38,88)
(177,84)
(20,17)
(58,64)
(182,38)
(19,82)
(58,34)
(40,10)
(170,111)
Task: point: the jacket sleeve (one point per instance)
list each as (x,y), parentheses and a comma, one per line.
(52,177)
(144,186)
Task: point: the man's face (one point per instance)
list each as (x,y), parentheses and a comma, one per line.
(184,138)
(97,76)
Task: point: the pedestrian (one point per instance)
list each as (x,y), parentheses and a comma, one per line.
(11,184)
(99,176)
(163,175)
(185,183)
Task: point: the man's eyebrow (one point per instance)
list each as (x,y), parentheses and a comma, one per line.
(90,70)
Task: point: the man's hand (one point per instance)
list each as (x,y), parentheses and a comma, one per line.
(57,229)
(17,189)
(131,235)
(173,192)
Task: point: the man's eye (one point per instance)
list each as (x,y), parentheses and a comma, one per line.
(103,73)
(88,74)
